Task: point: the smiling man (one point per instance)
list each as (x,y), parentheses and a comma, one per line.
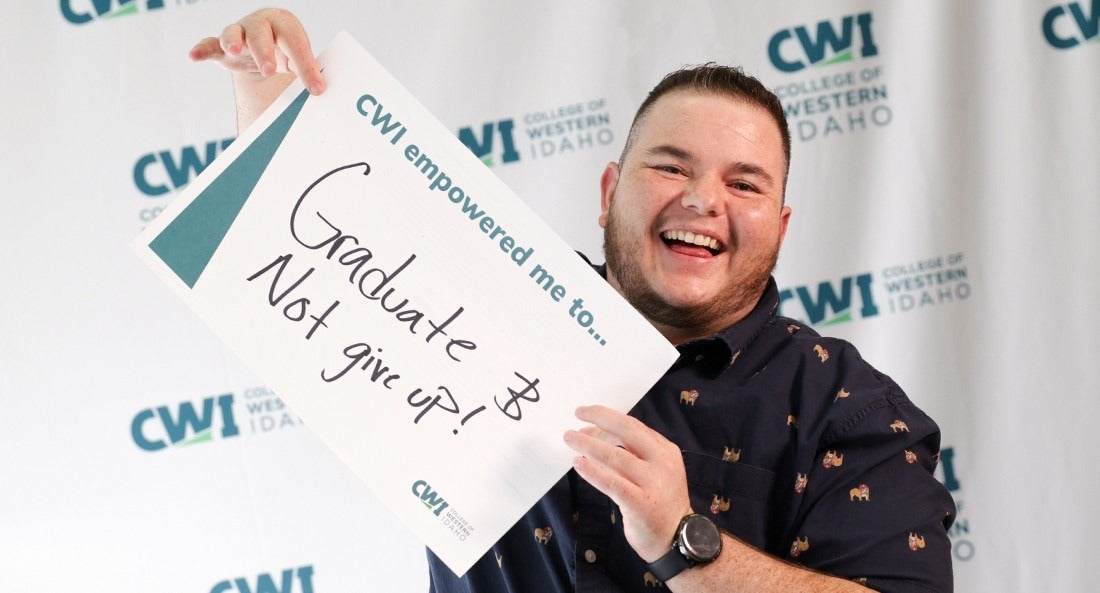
(768,458)
(694,212)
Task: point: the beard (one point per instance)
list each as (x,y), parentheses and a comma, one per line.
(739,295)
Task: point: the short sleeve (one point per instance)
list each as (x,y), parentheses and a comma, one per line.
(870,508)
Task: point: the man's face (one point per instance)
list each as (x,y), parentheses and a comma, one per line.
(694,218)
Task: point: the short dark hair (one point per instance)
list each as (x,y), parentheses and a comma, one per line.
(714,78)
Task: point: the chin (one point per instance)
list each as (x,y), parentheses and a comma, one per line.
(689,297)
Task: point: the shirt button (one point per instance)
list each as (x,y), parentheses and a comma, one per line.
(590,556)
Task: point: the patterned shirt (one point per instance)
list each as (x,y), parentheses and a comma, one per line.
(792,443)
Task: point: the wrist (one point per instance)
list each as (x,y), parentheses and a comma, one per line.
(697,542)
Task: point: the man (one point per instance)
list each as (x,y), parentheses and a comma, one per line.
(768,458)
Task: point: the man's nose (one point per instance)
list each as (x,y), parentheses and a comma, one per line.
(703,196)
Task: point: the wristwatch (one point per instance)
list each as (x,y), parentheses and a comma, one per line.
(697,542)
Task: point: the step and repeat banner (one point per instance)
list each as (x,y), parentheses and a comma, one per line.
(946,221)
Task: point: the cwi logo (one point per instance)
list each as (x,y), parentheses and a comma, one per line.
(158,173)
(483,147)
(429,497)
(161,427)
(1067,26)
(265,583)
(831,302)
(946,468)
(79,12)
(822,47)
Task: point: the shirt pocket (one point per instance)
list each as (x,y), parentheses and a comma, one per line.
(734,495)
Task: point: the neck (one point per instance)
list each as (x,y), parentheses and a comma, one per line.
(683,325)
(679,335)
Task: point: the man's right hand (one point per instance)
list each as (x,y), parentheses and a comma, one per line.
(264,51)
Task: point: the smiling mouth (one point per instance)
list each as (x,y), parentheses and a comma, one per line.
(691,239)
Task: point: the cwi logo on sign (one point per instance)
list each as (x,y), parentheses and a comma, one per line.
(824,46)
(79,12)
(1067,26)
(483,146)
(265,583)
(157,428)
(832,301)
(431,499)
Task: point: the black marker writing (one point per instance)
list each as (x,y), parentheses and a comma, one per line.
(511,407)
(375,283)
(296,309)
(429,402)
(362,355)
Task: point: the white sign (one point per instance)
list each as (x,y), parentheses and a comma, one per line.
(409,308)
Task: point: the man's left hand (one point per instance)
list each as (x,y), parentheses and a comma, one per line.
(642,471)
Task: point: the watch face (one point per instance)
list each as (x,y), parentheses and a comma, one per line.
(700,539)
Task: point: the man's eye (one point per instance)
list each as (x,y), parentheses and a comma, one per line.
(670,169)
(742,186)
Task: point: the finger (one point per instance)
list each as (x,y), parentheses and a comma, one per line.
(259,38)
(610,469)
(206,49)
(309,71)
(605,436)
(631,432)
(232,39)
(607,455)
(292,40)
(621,490)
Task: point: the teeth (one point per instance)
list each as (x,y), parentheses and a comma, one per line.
(692,239)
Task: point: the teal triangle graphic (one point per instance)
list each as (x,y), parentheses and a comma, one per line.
(188,242)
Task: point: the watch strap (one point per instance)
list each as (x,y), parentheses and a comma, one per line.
(669,565)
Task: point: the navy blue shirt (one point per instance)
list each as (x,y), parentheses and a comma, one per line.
(792,443)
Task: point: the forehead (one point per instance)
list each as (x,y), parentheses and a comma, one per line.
(710,124)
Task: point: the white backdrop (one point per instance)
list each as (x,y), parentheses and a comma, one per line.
(945,220)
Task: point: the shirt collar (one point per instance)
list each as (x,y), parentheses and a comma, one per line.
(715,353)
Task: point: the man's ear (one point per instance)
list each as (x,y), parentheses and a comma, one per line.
(784,220)
(608,181)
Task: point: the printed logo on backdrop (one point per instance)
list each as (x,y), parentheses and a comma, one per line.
(541,134)
(211,419)
(289,580)
(962,548)
(896,288)
(1066,26)
(837,87)
(81,12)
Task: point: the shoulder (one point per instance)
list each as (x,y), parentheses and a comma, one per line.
(839,394)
